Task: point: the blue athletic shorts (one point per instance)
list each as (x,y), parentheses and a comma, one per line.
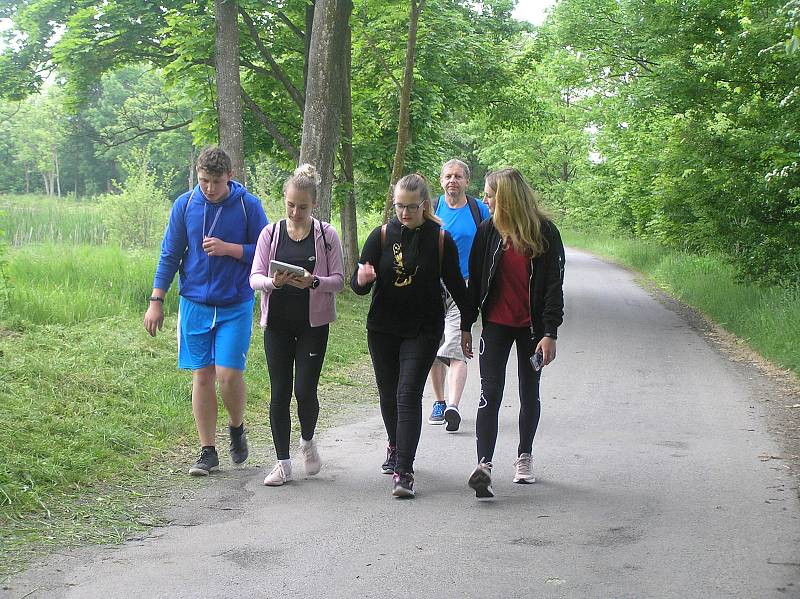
(218,335)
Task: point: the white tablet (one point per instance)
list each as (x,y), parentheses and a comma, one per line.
(278,266)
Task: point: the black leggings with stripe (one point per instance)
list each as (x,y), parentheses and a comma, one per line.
(495,347)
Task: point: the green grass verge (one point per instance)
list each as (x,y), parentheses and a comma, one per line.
(767,318)
(97,418)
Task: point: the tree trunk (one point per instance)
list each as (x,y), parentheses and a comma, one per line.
(229,96)
(404,119)
(27,179)
(58,173)
(348,223)
(321,117)
(46,184)
(191,167)
(307,41)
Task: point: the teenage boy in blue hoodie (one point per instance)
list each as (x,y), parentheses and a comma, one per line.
(210,241)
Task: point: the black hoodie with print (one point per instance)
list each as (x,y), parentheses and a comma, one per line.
(407,297)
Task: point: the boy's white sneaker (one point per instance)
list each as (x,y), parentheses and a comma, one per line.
(280,475)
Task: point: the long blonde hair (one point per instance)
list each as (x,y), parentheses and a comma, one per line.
(416,182)
(517,215)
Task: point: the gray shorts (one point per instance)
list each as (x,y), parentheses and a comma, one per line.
(451,340)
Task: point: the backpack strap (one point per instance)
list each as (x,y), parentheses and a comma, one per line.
(474,210)
(324,239)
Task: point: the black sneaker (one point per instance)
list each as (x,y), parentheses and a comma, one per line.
(391,460)
(453,418)
(481,480)
(403,484)
(207,462)
(238,448)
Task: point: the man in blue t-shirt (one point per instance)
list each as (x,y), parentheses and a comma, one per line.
(460,216)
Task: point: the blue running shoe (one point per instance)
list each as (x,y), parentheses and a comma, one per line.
(437,414)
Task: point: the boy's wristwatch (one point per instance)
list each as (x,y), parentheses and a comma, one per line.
(315,283)
(155,298)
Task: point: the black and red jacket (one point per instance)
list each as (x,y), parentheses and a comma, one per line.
(545,286)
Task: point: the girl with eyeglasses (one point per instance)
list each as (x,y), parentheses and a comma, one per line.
(516,275)
(403,263)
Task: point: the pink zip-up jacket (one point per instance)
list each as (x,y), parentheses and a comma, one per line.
(328,268)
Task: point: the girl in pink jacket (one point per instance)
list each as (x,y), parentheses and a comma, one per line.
(296,310)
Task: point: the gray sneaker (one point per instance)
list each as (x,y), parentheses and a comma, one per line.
(207,462)
(238,448)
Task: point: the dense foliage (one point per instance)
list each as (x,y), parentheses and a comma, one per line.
(674,121)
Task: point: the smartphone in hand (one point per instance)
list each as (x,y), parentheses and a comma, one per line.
(537,361)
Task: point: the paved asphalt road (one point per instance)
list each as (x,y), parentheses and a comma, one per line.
(651,483)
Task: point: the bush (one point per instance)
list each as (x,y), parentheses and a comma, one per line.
(136,217)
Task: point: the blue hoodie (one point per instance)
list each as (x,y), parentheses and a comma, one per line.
(214,280)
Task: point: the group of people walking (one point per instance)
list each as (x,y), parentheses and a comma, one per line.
(433,269)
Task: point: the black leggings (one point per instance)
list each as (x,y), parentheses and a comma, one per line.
(302,347)
(401,369)
(496,341)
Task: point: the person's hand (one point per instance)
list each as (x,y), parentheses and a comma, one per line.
(154,318)
(214,246)
(466,344)
(282,278)
(547,345)
(303,282)
(366,274)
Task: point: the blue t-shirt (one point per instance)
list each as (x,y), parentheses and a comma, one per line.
(461,226)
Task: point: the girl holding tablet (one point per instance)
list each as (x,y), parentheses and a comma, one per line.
(296,310)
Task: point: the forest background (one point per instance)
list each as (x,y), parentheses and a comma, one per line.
(668,129)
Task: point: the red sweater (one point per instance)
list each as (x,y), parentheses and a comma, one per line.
(509,303)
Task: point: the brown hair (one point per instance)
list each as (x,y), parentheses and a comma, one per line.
(416,182)
(215,161)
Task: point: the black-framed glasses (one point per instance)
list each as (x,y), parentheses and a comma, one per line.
(412,208)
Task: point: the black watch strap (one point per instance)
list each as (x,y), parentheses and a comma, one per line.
(315,283)
(155,298)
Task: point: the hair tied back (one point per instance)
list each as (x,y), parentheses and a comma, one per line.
(308,170)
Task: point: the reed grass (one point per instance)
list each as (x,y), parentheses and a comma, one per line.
(41,219)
